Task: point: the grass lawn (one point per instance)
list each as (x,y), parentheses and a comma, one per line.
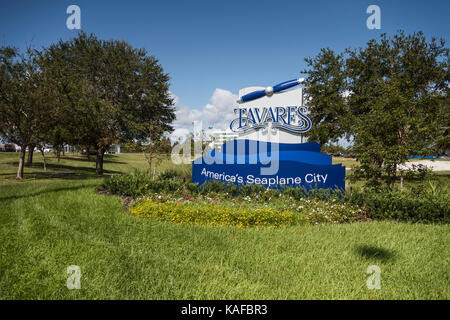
(76,166)
(49,222)
(347,162)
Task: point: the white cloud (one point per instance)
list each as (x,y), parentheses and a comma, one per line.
(179,135)
(184,115)
(221,107)
(217,113)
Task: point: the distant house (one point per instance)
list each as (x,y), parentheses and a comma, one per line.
(220,137)
(115,148)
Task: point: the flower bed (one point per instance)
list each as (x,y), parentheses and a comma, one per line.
(244,212)
(214,214)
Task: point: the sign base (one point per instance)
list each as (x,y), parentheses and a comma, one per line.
(271,165)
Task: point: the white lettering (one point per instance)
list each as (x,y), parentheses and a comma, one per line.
(373,21)
(74,20)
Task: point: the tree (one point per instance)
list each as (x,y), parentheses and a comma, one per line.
(110,91)
(133,146)
(390,98)
(326,89)
(24,99)
(31,148)
(333,149)
(158,145)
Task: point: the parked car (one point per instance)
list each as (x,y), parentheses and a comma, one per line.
(7,148)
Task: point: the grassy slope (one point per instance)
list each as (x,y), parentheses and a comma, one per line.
(49,224)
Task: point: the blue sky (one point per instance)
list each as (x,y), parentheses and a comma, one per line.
(211,49)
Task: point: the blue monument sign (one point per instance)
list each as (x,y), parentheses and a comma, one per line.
(268,151)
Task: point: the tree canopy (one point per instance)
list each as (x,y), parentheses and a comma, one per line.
(25,100)
(390,98)
(84,91)
(111,91)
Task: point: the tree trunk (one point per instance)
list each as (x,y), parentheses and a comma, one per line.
(88,151)
(45,160)
(21,163)
(58,154)
(99,161)
(150,165)
(392,176)
(30,154)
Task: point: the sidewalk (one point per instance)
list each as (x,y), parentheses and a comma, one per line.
(433,165)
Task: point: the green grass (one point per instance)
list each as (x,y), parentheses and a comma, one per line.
(347,162)
(76,166)
(49,223)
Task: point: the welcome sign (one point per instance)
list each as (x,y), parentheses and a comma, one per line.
(281,118)
(269,151)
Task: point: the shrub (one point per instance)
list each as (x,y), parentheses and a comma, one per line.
(424,205)
(313,193)
(250,190)
(213,186)
(193,188)
(169,174)
(133,185)
(138,184)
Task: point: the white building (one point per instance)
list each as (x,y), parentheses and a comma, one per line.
(115,148)
(220,137)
